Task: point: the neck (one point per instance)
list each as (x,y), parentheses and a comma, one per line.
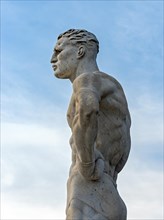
(84,67)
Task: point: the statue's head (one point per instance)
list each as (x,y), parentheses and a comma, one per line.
(73,48)
(82,37)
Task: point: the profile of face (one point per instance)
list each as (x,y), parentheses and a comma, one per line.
(64,59)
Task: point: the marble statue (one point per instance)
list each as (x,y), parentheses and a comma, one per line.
(100,122)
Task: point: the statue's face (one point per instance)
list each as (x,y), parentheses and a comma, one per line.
(64,59)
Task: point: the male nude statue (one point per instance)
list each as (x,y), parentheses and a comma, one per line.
(99,119)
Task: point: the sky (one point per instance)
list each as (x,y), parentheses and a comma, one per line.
(35,151)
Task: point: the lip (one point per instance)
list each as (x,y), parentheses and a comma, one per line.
(54,67)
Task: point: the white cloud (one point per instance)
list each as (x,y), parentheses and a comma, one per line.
(12,209)
(147,119)
(35,171)
(35,166)
(35,135)
(141,181)
(142,191)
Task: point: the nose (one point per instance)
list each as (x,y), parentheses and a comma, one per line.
(53,58)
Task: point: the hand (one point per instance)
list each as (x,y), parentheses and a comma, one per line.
(99,166)
(93,170)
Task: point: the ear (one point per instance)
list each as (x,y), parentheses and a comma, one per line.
(81,52)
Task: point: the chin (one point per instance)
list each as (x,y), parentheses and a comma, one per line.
(61,76)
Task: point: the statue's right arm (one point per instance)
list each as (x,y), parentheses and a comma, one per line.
(84,128)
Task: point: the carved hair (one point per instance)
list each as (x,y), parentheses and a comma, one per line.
(80,36)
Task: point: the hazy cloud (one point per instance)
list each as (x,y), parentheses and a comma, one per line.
(35,136)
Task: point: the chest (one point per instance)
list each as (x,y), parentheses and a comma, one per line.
(72,110)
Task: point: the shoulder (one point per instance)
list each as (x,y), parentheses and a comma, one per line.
(85,79)
(89,81)
(93,79)
(97,81)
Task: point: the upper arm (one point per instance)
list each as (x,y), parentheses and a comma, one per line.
(87,95)
(87,100)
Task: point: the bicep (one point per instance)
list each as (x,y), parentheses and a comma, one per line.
(87,101)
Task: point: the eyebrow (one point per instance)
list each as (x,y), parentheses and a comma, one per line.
(56,48)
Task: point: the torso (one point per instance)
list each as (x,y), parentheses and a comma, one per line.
(113,135)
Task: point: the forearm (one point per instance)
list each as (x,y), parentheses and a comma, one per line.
(85,132)
(89,159)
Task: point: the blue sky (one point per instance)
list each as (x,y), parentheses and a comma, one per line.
(35,150)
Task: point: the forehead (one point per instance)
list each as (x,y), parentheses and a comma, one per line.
(62,42)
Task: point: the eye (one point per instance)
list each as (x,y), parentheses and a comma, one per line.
(57,51)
